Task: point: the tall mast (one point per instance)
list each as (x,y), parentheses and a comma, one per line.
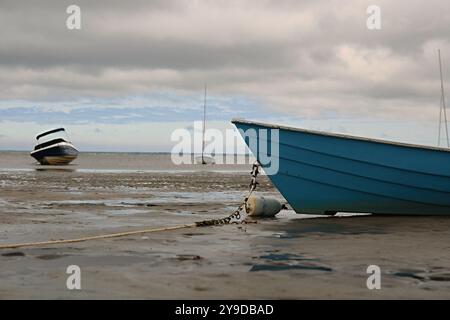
(440,123)
(204,127)
(442,110)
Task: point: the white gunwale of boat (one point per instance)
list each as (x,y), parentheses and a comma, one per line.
(338,135)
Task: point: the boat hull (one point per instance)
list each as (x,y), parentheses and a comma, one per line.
(324,173)
(59,154)
(204,160)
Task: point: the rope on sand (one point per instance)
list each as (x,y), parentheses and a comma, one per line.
(103,236)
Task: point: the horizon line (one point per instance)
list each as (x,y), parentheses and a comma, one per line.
(149,152)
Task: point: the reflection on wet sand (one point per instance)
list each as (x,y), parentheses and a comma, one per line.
(60,168)
(290,256)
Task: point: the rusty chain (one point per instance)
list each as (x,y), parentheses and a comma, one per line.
(235,217)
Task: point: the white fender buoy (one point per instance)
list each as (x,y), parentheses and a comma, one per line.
(259,206)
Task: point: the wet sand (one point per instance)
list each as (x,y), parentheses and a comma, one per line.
(291,256)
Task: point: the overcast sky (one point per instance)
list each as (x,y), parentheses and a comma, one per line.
(136,69)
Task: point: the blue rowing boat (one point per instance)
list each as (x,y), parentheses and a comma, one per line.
(325,173)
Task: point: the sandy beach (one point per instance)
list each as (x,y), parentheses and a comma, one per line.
(288,257)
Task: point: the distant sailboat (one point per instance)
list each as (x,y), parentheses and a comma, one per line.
(204,159)
(442,110)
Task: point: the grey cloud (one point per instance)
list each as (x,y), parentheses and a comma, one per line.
(308,58)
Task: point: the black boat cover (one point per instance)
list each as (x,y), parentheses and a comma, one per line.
(49,132)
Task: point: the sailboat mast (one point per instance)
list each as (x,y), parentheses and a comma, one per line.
(442,109)
(440,123)
(204,127)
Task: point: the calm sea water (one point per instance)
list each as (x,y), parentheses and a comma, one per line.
(126,162)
